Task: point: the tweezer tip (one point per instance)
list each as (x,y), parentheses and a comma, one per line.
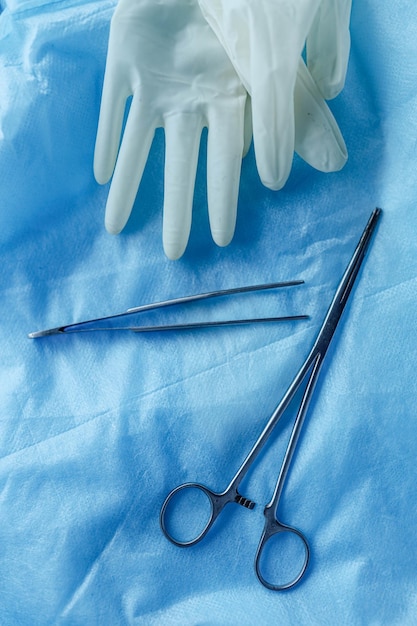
(44,333)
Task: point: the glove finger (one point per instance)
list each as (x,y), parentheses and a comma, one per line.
(318,139)
(273,135)
(112,110)
(328,46)
(248,126)
(131,161)
(224,158)
(275,52)
(182,142)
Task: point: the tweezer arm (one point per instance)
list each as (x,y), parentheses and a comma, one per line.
(67,330)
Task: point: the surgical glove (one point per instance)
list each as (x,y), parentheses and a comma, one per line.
(264,40)
(165,55)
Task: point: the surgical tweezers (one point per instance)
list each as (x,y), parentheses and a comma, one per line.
(89,325)
(307,374)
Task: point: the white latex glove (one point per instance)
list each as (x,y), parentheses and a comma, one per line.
(164,54)
(264,40)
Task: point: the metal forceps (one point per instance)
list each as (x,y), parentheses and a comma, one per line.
(308,374)
(92,325)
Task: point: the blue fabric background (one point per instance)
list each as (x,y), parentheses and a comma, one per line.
(97,428)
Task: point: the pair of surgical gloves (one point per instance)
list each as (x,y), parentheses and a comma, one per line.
(235,67)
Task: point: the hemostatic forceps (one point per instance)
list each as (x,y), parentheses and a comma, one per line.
(308,374)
